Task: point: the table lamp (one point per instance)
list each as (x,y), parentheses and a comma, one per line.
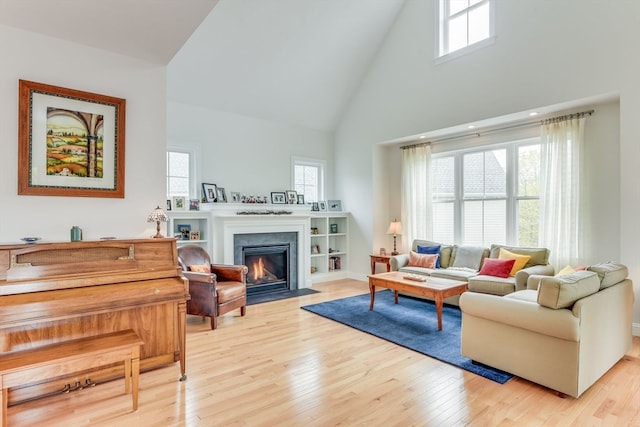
(395,228)
(157,215)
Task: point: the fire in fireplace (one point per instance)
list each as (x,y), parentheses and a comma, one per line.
(271,259)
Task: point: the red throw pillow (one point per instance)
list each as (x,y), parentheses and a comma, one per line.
(497,267)
(422,260)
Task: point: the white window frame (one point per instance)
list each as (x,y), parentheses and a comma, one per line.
(442,25)
(322,172)
(193,190)
(512,196)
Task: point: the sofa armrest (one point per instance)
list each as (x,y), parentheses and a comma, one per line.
(193,276)
(230,273)
(522,276)
(398,261)
(526,315)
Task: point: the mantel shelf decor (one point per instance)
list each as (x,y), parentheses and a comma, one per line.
(71,143)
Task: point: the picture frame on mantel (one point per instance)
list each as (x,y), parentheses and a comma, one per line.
(210,192)
(70,142)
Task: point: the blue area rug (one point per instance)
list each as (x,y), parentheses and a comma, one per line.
(412,323)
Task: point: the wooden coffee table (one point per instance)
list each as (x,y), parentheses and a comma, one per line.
(433,287)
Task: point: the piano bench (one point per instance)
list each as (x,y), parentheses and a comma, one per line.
(63,358)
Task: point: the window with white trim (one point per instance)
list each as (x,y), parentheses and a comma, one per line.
(178,173)
(464,23)
(308,178)
(489,195)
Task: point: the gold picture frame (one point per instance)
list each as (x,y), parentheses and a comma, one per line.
(70,142)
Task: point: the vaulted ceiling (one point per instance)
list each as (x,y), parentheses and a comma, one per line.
(291,61)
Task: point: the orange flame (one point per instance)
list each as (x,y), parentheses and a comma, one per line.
(258,269)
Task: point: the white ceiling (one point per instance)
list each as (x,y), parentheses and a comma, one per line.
(291,61)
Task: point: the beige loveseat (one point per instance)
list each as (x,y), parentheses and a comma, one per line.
(562,332)
(451,268)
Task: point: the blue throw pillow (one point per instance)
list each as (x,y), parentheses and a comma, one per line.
(430,250)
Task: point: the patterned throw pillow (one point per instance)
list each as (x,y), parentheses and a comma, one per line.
(497,267)
(200,268)
(422,260)
(430,250)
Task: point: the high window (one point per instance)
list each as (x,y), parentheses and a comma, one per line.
(489,195)
(464,23)
(308,178)
(179,173)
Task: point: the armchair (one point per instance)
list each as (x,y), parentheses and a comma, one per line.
(215,289)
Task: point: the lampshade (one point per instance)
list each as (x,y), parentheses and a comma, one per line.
(157,215)
(395,228)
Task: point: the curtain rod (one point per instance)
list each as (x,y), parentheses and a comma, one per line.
(527,124)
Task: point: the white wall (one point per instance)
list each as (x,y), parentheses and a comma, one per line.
(30,56)
(545,53)
(244,154)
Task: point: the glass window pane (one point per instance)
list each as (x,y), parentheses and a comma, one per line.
(479,20)
(457,33)
(456,6)
(443,222)
(529,170)
(443,178)
(178,164)
(495,167)
(495,222)
(472,220)
(473,175)
(528,222)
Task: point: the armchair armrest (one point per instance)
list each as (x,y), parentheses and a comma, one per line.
(398,261)
(230,273)
(522,276)
(193,276)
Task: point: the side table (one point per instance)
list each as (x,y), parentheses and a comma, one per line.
(384,259)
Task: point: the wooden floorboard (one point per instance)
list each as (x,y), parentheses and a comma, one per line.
(282,366)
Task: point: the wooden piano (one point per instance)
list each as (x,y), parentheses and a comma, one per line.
(54,292)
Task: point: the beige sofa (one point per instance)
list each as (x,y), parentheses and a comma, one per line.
(538,264)
(562,332)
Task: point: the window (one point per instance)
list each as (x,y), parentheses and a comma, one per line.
(308,178)
(487,196)
(178,173)
(463,23)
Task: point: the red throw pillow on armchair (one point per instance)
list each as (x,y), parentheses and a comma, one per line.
(497,267)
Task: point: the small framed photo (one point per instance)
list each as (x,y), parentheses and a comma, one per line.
(278,197)
(222,195)
(210,192)
(383,251)
(322,206)
(168,204)
(333,228)
(292,197)
(315,249)
(179,203)
(315,207)
(184,230)
(334,205)
(194,204)
(194,235)
(236,197)
(301,199)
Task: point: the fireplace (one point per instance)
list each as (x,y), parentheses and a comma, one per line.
(271,259)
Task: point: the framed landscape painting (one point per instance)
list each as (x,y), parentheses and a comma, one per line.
(70,143)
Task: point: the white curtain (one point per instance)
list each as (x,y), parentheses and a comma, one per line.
(561,190)
(416,194)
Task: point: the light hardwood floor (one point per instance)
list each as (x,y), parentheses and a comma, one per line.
(282,366)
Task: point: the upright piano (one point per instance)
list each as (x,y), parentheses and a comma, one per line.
(53,292)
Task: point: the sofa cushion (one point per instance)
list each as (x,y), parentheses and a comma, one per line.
(492,285)
(528,295)
(539,256)
(430,250)
(520,260)
(422,260)
(497,267)
(609,273)
(462,274)
(564,291)
(416,270)
(468,257)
